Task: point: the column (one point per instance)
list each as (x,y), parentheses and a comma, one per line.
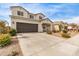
(40,29)
(51,28)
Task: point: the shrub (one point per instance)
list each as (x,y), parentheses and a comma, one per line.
(49,32)
(13,53)
(4,40)
(6,30)
(65,35)
(13,32)
(54,31)
(65,31)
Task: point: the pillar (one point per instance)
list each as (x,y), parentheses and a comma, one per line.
(40,29)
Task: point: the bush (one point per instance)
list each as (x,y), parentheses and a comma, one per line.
(13,53)
(6,30)
(49,32)
(65,31)
(54,31)
(4,40)
(65,35)
(13,32)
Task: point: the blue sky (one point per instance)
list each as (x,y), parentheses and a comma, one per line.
(68,12)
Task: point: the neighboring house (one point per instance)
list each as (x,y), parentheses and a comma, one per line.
(69,27)
(24,21)
(59,26)
(73,27)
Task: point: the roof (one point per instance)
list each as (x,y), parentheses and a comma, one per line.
(40,13)
(48,19)
(19,7)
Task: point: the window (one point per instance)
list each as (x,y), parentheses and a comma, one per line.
(20,13)
(40,17)
(31,16)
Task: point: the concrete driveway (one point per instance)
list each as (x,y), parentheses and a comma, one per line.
(42,44)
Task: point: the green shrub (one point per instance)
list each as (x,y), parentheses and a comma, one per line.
(4,40)
(49,32)
(13,32)
(65,35)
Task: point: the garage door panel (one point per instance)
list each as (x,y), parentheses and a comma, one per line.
(26,27)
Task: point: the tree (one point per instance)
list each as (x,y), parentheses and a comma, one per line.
(73,25)
(3,27)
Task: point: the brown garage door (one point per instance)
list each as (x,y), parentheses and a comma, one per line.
(26,27)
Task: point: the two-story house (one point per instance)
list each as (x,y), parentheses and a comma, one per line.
(24,21)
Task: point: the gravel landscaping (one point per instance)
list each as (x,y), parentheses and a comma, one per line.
(12,49)
(59,34)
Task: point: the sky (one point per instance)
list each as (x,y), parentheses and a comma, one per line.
(67,12)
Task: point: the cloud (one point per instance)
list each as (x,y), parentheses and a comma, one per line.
(5,11)
(58,11)
(72,20)
(75,20)
(7,5)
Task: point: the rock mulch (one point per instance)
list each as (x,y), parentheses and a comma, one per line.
(12,49)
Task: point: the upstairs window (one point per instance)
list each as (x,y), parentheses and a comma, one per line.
(40,17)
(31,16)
(20,13)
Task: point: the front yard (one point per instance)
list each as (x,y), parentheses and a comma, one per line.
(12,49)
(71,33)
(41,44)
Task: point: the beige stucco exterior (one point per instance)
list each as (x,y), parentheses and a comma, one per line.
(26,19)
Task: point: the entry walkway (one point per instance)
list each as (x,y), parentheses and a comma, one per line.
(42,44)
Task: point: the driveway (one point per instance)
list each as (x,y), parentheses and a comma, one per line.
(42,44)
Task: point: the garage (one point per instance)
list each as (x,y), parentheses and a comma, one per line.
(26,27)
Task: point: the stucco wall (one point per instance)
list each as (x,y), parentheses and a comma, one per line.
(48,22)
(37,16)
(14,12)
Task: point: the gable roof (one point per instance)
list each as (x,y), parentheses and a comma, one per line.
(19,7)
(39,13)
